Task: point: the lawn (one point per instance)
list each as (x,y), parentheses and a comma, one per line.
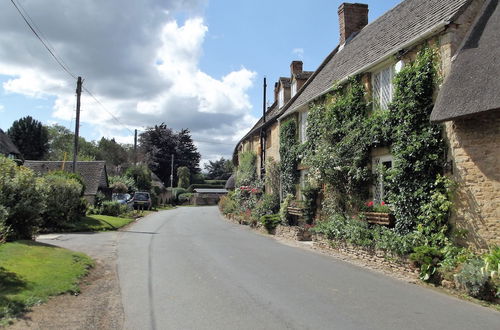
(30,272)
(100,223)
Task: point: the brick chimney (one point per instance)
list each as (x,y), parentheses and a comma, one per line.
(352,18)
(276,91)
(295,67)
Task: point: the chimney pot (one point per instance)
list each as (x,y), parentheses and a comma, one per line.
(352,18)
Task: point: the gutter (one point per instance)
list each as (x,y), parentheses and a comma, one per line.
(424,35)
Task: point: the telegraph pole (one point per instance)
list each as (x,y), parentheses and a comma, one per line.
(263,134)
(77,124)
(135,148)
(172,173)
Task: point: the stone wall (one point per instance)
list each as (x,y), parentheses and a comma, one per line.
(475,153)
(294,233)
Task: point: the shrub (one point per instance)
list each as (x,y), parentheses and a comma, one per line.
(427,258)
(176,192)
(268,204)
(123,179)
(473,280)
(183,177)
(4,229)
(63,201)
(110,208)
(270,221)
(227,204)
(185,198)
(247,169)
(284,209)
(22,198)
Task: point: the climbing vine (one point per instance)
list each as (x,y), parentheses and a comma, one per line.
(289,156)
(341,132)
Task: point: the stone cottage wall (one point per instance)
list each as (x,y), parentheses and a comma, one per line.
(475,153)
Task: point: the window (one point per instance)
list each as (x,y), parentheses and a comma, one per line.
(379,164)
(382,87)
(281,98)
(303,126)
(294,88)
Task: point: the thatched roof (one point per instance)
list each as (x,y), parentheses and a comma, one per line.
(473,85)
(93,173)
(6,145)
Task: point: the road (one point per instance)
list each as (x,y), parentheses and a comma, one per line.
(189,269)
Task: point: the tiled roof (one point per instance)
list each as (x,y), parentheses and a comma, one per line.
(6,145)
(473,85)
(384,37)
(93,173)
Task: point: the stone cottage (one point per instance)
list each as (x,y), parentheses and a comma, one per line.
(465,33)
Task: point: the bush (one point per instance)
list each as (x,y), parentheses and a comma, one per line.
(176,192)
(22,198)
(185,198)
(63,201)
(216,182)
(270,221)
(4,229)
(227,204)
(268,204)
(183,177)
(427,259)
(473,280)
(111,208)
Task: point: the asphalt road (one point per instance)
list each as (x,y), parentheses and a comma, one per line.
(189,269)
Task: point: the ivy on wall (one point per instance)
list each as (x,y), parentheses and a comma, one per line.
(289,156)
(341,132)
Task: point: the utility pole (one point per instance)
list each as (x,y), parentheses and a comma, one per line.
(135,147)
(172,173)
(263,134)
(77,124)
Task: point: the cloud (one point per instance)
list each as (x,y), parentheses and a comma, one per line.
(139,61)
(299,52)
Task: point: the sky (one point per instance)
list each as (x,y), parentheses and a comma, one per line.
(195,64)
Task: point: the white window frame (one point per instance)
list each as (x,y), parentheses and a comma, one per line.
(281,98)
(303,126)
(294,87)
(378,189)
(383,87)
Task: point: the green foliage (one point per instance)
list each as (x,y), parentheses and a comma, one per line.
(122,179)
(63,200)
(418,147)
(4,229)
(427,258)
(192,187)
(227,204)
(267,204)
(272,176)
(310,195)
(111,208)
(112,152)
(141,176)
(473,280)
(219,169)
(30,137)
(289,155)
(338,144)
(214,182)
(183,176)
(270,221)
(176,192)
(492,262)
(284,216)
(246,173)
(185,198)
(22,198)
(70,176)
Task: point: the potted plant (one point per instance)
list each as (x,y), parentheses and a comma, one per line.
(378,213)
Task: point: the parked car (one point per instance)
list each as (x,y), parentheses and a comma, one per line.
(121,198)
(142,200)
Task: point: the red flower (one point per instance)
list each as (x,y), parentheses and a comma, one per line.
(382,203)
(369,204)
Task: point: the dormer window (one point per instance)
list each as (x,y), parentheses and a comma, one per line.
(294,87)
(382,87)
(281,98)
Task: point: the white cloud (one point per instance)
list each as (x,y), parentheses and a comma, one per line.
(137,59)
(299,52)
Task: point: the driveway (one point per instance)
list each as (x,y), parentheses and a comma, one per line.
(189,269)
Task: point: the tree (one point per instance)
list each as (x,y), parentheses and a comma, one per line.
(159,143)
(30,137)
(113,153)
(141,175)
(61,144)
(219,170)
(183,175)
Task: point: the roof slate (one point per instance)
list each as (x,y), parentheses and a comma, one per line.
(473,84)
(93,173)
(6,145)
(389,33)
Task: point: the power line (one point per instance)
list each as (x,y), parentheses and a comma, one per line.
(56,58)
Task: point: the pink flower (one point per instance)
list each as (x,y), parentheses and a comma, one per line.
(382,203)
(369,204)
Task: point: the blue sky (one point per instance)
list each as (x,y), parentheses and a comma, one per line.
(193,64)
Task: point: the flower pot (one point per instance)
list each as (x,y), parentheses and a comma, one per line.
(379,218)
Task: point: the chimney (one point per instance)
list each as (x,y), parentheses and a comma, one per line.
(276,92)
(295,67)
(352,18)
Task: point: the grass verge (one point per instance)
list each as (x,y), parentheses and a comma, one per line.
(97,222)
(30,272)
